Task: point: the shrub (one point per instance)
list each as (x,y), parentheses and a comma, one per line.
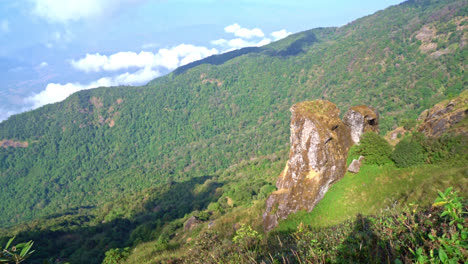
(116,255)
(374,148)
(443,148)
(247,238)
(408,153)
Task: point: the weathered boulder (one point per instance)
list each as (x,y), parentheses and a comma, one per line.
(191,223)
(444,116)
(355,165)
(361,119)
(319,146)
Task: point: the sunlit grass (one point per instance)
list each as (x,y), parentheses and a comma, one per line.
(375,189)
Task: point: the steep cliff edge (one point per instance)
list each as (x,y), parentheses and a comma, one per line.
(320,141)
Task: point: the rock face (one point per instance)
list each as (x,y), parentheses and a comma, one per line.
(319,144)
(444,116)
(320,141)
(361,119)
(355,166)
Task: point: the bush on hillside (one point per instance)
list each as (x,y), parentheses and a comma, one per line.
(374,148)
(408,153)
(446,147)
(116,255)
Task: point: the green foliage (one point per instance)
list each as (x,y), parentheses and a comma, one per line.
(446,147)
(247,238)
(116,255)
(16,254)
(408,153)
(408,124)
(374,148)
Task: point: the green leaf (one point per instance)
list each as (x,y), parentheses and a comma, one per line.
(443,256)
(9,242)
(26,249)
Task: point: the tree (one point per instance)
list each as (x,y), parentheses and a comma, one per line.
(374,148)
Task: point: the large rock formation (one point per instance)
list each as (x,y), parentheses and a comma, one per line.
(361,119)
(319,147)
(445,116)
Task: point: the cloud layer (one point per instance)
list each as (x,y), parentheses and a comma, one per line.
(280,34)
(55,92)
(247,37)
(245,33)
(167,58)
(141,67)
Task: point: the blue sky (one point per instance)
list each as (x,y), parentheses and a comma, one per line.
(52,48)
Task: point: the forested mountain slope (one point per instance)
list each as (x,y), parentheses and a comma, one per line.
(103,144)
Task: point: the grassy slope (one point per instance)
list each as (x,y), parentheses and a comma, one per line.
(377,188)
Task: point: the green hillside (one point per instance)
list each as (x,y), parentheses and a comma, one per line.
(114,167)
(103,144)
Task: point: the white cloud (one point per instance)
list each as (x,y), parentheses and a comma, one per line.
(238,43)
(140,77)
(43,64)
(73,10)
(167,58)
(181,55)
(55,92)
(280,34)
(117,61)
(145,61)
(5,26)
(247,37)
(245,33)
(232,28)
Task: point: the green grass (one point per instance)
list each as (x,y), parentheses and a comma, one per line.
(375,189)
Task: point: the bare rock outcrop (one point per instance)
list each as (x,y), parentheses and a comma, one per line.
(320,142)
(361,119)
(355,165)
(191,223)
(444,117)
(319,145)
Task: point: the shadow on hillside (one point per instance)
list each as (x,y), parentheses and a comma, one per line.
(363,245)
(295,48)
(68,240)
(219,59)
